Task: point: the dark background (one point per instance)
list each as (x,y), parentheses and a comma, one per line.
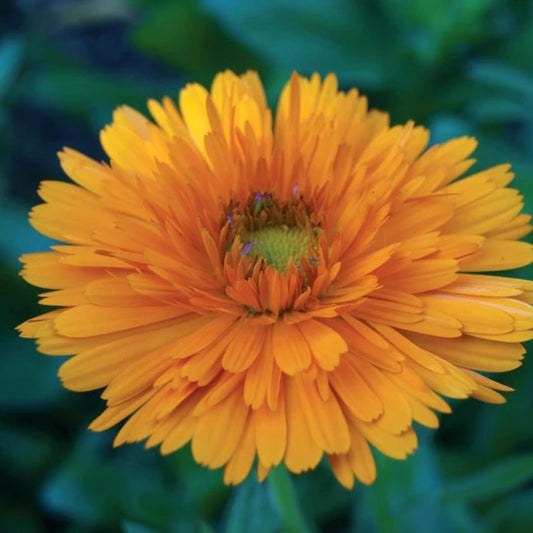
(458,66)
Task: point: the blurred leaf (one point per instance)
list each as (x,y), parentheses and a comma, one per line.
(85,490)
(251,509)
(19,304)
(312,35)
(132,527)
(499,431)
(204,527)
(183,36)
(502,77)
(517,48)
(24,452)
(446,126)
(205,488)
(495,150)
(494,481)
(404,497)
(462,519)
(500,109)
(10,58)
(99,488)
(29,381)
(89,12)
(19,517)
(435,28)
(90,95)
(330,499)
(514,513)
(286,501)
(17,236)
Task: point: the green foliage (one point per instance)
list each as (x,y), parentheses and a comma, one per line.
(10,56)
(251,507)
(184,36)
(460,67)
(311,36)
(493,481)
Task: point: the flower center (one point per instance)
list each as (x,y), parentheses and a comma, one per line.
(278,245)
(274,231)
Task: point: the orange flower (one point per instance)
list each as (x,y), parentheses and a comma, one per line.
(279,290)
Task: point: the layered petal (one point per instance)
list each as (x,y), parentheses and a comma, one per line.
(273,290)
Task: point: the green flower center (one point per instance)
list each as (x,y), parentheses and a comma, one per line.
(278,245)
(274,232)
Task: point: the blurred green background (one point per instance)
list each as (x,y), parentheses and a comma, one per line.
(458,66)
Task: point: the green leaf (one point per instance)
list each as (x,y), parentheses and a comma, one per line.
(286,501)
(435,29)
(500,109)
(205,488)
(132,527)
(11,50)
(18,516)
(76,14)
(445,126)
(24,452)
(494,481)
(502,77)
(403,499)
(342,36)
(181,35)
(251,509)
(17,236)
(514,513)
(499,430)
(29,381)
(101,487)
(90,95)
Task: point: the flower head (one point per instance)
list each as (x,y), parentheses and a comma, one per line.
(279,289)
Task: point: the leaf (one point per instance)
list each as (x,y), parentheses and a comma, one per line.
(205,488)
(14,222)
(181,35)
(11,50)
(514,513)
(24,451)
(491,482)
(499,431)
(251,509)
(312,35)
(84,491)
(132,527)
(29,381)
(284,495)
(90,12)
(499,109)
(436,29)
(502,77)
(98,488)
(90,95)
(403,497)
(446,126)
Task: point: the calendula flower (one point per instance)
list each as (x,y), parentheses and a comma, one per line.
(277,290)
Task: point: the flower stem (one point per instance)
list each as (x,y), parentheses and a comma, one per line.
(284,496)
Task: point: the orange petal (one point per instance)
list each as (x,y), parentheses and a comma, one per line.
(270,433)
(325,343)
(212,443)
(291,350)
(325,419)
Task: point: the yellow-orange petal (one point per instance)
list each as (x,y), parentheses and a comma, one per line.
(270,433)
(274,291)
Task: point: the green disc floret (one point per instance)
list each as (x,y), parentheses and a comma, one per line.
(278,245)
